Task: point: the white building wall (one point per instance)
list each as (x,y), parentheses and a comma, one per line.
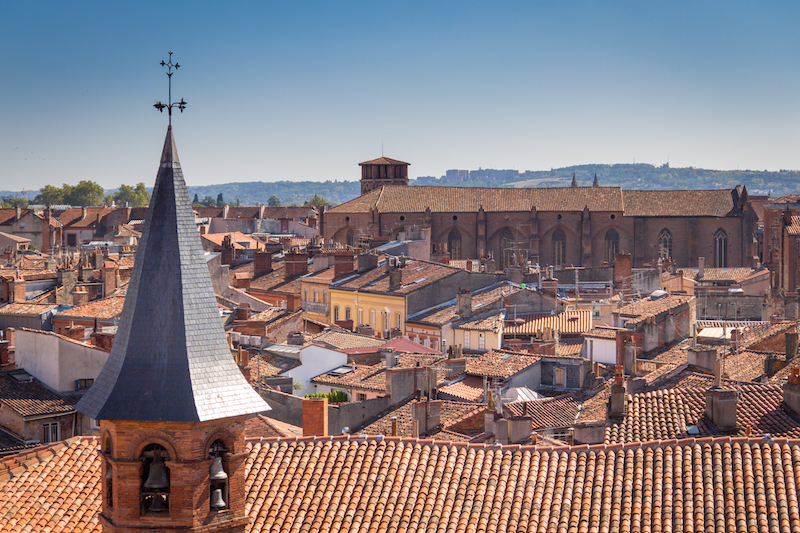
(55,361)
(601,350)
(315,360)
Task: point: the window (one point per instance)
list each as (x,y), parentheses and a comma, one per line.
(347,313)
(454,244)
(50,433)
(335,313)
(466,340)
(360,317)
(481,341)
(83,384)
(305,294)
(398,320)
(154,490)
(351,238)
(665,244)
(559,247)
(72,239)
(218,477)
(559,377)
(362,397)
(506,248)
(372,318)
(94,423)
(612,245)
(720,249)
(385,320)
(324,297)
(316,295)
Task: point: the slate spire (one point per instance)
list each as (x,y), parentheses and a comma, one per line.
(170,360)
(595,183)
(574,181)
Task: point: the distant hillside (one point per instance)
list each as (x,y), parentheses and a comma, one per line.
(289,192)
(630,176)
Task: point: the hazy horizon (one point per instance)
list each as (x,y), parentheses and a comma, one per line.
(303,92)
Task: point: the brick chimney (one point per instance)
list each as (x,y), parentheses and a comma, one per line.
(104,341)
(295,265)
(243,311)
(84,212)
(74,332)
(315,417)
(46,230)
(791,390)
(619,395)
(549,285)
(791,344)
(395,279)
(701,267)
(426,415)
(17,290)
(227,250)
(343,263)
(464,303)
(109,274)
(262,264)
(366,262)
(80,296)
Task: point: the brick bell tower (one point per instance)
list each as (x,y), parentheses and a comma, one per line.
(171,401)
(382,171)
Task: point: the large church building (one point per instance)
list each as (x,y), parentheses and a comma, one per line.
(581,226)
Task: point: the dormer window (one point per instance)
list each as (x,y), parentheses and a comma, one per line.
(218,477)
(154,492)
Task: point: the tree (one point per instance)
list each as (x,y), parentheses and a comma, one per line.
(208,201)
(318,201)
(14,201)
(84,193)
(220,200)
(50,195)
(274,201)
(136,197)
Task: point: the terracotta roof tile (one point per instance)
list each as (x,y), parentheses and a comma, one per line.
(26,308)
(31,398)
(264,427)
(491,321)
(566,322)
(109,308)
(384,161)
(546,413)
(345,340)
(417,275)
(647,307)
(500,363)
(685,203)
(451,412)
(469,389)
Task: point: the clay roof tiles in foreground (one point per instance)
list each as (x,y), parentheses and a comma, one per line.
(349,483)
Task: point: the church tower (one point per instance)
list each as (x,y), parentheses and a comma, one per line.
(170,400)
(382,171)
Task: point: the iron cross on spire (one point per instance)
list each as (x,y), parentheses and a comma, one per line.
(180,105)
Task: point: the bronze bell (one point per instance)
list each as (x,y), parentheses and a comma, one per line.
(157,478)
(217,473)
(217,502)
(157,505)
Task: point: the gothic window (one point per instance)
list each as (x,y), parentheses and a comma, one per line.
(351,238)
(218,477)
(665,244)
(612,245)
(454,244)
(720,249)
(506,248)
(559,247)
(154,491)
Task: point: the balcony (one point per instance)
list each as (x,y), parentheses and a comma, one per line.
(315,307)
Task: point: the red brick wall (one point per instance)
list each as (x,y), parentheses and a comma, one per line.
(315,417)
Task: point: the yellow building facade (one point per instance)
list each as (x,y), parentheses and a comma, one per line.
(382,312)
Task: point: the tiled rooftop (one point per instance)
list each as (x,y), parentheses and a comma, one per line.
(733,274)
(481,299)
(26,308)
(491,321)
(602,333)
(566,322)
(469,389)
(261,426)
(31,398)
(679,203)
(647,307)
(345,340)
(500,364)
(555,412)
(417,275)
(451,412)
(381,485)
(108,308)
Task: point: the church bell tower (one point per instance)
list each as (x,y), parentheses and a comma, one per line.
(171,401)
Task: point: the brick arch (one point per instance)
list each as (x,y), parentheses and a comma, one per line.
(599,238)
(223,434)
(153,437)
(573,245)
(341,235)
(107,442)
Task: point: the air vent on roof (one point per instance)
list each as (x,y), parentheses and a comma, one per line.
(341,371)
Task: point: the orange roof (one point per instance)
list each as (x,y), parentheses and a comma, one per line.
(384,161)
(500,364)
(107,308)
(566,322)
(794,227)
(354,483)
(647,307)
(417,274)
(23,308)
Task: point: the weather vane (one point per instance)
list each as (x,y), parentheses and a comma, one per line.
(180,105)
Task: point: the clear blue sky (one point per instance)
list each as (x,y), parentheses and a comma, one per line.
(307,90)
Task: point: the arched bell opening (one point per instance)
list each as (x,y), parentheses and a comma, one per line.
(154,492)
(218,476)
(108,451)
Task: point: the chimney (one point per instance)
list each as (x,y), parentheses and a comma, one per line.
(243,311)
(426,415)
(791,390)
(17,212)
(619,395)
(109,274)
(102,340)
(84,212)
(343,263)
(388,356)
(395,279)
(791,344)
(366,262)
(10,335)
(701,267)
(295,265)
(721,406)
(80,296)
(17,290)
(295,338)
(227,250)
(262,264)
(501,431)
(622,269)
(73,332)
(519,429)
(46,230)
(5,355)
(315,417)
(549,285)
(464,303)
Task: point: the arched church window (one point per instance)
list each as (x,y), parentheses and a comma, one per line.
(218,477)
(506,248)
(612,245)
(720,249)
(155,481)
(454,244)
(559,247)
(665,244)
